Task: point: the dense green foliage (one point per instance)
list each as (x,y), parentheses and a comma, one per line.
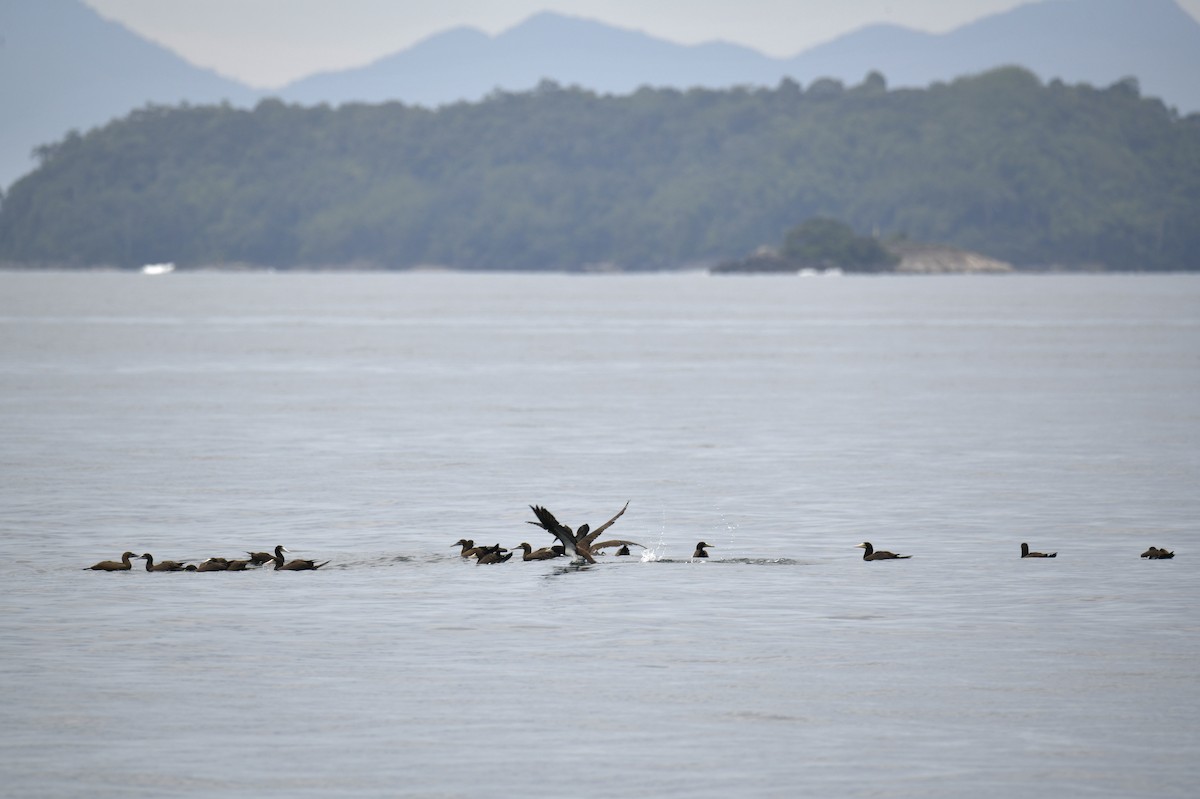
(564,178)
(821,242)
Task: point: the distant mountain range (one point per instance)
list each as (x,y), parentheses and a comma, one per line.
(64,67)
(1079,41)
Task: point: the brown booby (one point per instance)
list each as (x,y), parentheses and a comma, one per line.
(1025,553)
(122,565)
(162,566)
(577,545)
(468,547)
(259,558)
(298,565)
(493,554)
(869,553)
(1156,553)
(700,553)
(545,553)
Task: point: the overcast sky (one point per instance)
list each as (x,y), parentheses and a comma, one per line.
(267,43)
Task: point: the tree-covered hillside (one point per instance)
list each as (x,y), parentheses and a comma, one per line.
(563,178)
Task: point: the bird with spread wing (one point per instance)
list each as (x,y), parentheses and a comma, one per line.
(581,544)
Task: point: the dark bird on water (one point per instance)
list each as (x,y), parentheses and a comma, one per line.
(298,565)
(700,547)
(869,553)
(259,558)
(1025,553)
(576,545)
(468,547)
(597,549)
(545,553)
(1155,553)
(162,566)
(122,565)
(493,554)
(213,565)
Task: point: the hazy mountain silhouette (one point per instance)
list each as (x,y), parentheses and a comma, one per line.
(62,66)
(465,64)
(1079,41)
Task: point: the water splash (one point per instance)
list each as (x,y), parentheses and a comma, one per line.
(731,529)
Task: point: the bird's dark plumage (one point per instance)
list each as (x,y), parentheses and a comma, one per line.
(589,536)
(468,547)
(616,542)
(869,553)
(122,565)
(1025,553)
(162,566)
(493,554)
(298,565)
(545,553)
(571,545)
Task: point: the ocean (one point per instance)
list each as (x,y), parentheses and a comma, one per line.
(371,420)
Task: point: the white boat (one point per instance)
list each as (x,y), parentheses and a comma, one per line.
(158,269)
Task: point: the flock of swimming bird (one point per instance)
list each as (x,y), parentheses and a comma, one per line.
(581,546)
(255,560)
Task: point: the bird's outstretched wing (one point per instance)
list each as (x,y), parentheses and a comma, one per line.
(615,542)
(546,520)
(594,534)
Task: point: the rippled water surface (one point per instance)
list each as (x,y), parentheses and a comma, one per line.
(371,420)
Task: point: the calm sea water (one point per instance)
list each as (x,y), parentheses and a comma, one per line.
(371,420)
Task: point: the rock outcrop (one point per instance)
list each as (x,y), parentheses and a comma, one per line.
(930,259)
(915,258)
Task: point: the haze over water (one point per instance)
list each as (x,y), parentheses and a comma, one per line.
(372,419)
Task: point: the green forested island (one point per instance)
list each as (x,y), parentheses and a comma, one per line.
(561,178)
